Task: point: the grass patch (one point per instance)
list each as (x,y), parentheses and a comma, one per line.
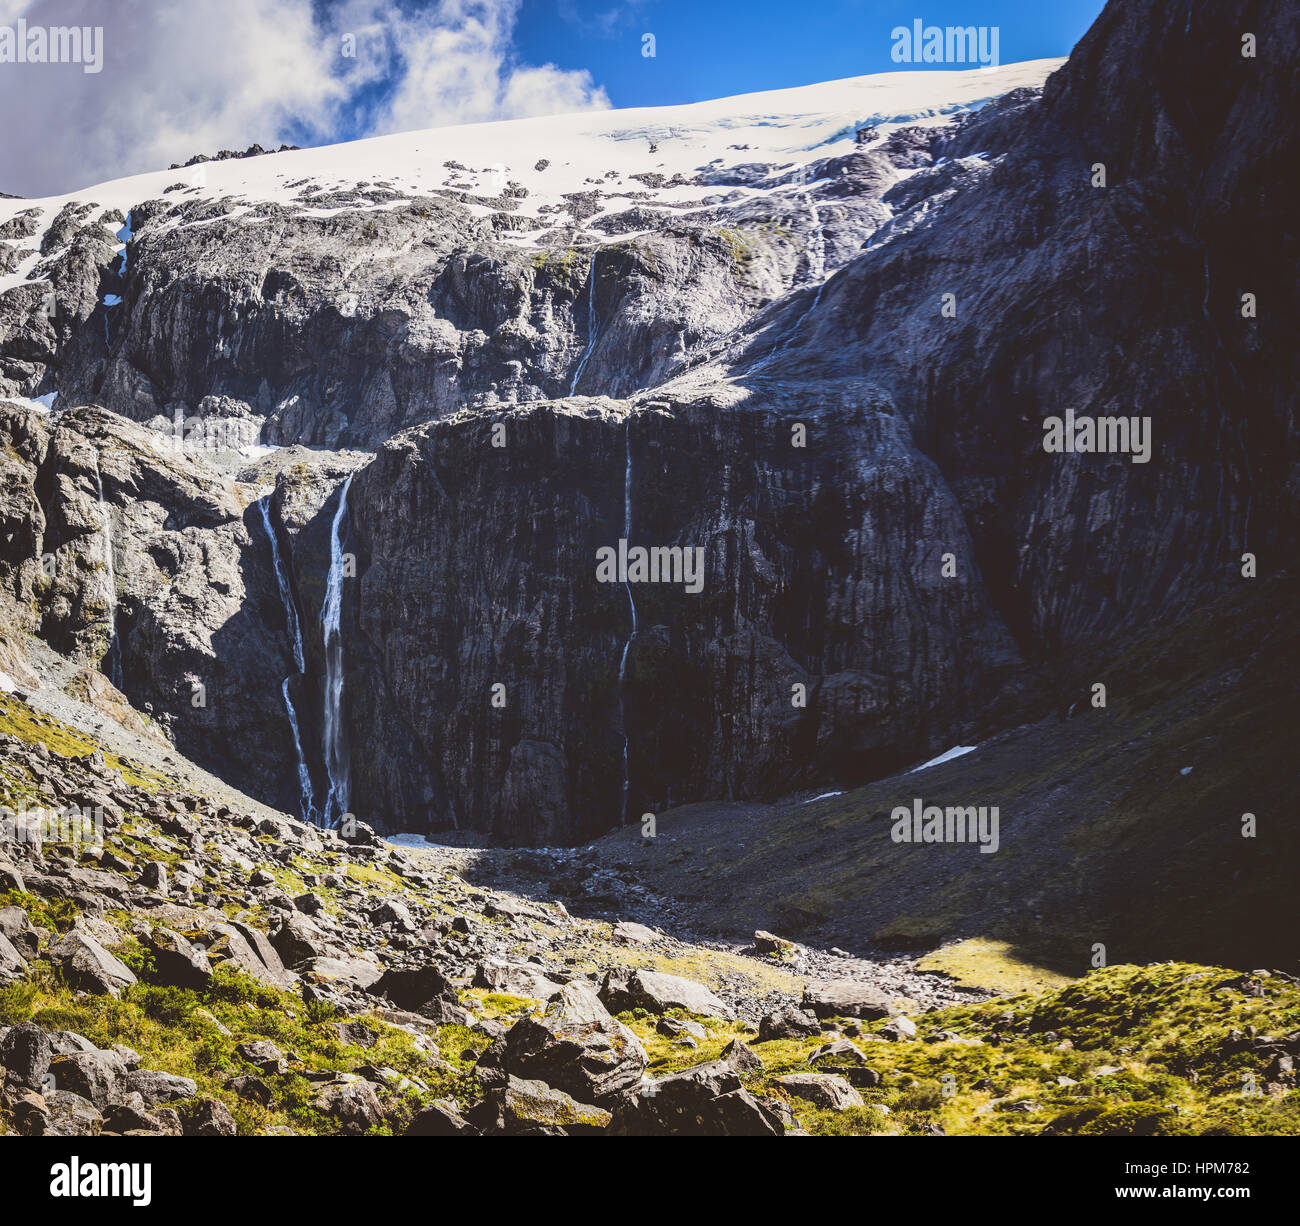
(990,964)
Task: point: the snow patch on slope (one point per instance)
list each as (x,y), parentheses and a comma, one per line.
(591,151)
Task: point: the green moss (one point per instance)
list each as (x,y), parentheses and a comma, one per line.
(33,727)
(54,914)
(497,1004)
(1126,1051)
(164,1025)
(669,1055)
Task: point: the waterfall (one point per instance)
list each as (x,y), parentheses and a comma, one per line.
(591,324)
(817,271)
(106,547)
(817,266)
(788,335)
(336,753)
(307,793)
(307,805)
(631,604)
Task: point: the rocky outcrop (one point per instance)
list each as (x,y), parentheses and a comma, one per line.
(551,1060)
(341,326)
(1105,262)
(130,555)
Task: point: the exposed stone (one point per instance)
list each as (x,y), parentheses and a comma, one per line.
(788,1022)
(824,1090)
(846,998)
(657,992)
(210,1118)
(89,966)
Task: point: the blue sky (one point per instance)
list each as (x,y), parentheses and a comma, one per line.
(713,48)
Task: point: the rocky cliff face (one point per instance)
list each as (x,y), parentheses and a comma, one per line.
(825,565)
(343,317)
(1123,299)
(152,567)
(829,376)
(823,643)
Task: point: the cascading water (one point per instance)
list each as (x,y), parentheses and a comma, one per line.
(817,252)
(336,751)
(631,604)
(111,655)
(817,272)
(788,336)
(307,793)
(592,324)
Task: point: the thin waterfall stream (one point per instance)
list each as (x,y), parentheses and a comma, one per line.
(335,737)
(631,604)
(293,624)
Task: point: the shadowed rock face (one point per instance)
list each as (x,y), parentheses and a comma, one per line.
(919,563)
(925,438)
(1125,299)
(822,570)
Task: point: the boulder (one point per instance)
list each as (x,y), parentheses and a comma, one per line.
(707,1100)
(88,966)
(416,989)
(341,972)
(821,1089)
(298,938)
(248,951)
(28,1113)
(354,1104)
(839,1052)
(628,933)
(657,992)
(577,1002)
(179,962)
(391,911)
(130,1118)
(676,1027)
(898,1030)
(25,938)
(25,1053)
(70,1115)
(787,1023)
(767,943)
(847,998)
(92,1075)
(12,963)
(514,979)
(155,1087)
(439,1121)
(355,1034)
(741,1057)
(210,1118)
(523,1105)
(593,1058)
(263,1055)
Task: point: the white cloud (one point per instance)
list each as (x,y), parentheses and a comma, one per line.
(204,75)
